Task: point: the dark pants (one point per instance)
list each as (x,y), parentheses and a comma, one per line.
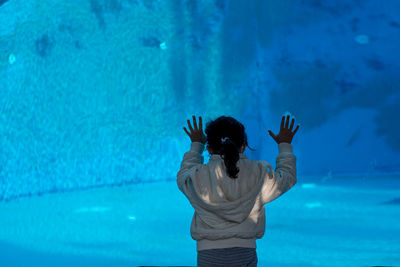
(224,257)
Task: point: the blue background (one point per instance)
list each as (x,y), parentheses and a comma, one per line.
(97,93)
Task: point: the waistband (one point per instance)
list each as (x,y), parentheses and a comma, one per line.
(225,243)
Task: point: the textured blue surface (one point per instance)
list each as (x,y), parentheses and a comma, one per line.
(315,224)
(96,93)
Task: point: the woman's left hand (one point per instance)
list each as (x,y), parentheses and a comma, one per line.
(197,134)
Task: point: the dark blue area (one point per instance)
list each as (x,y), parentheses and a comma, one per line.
(2,2)
(345,86)
(65,28)
(177,61)
(78,44)
(100,8)
(395,24)
(375,64)
(221,4)
(239,36)
(151,4)
(151,41)
(395,201)
(334,8)
(43,45)
(97,9)
(354,137)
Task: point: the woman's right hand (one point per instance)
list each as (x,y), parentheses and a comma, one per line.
(285,134)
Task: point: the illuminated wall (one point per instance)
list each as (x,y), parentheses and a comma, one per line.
(96,92)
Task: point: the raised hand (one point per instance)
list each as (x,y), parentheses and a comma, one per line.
(196,134)
(285,134)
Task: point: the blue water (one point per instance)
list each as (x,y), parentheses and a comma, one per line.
(315,224)
(94,96)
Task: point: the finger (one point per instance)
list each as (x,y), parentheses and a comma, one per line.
(200,124)
(282,122)
(295,130)
(190,126)
(287,122)
(195,123)
(272,134)
(291,125)
(186,131)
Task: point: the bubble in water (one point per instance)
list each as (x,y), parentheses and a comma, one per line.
(163,46)
(362,39)
(11,58)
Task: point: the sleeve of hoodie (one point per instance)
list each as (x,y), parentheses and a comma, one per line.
(192,160)
(277,182)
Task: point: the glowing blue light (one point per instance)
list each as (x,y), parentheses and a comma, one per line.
(133,218)
(313,205)
(308,186)
(11,58)
(163,46)
(92,209)
(362,39)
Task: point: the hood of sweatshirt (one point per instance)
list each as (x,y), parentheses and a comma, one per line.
(220,200)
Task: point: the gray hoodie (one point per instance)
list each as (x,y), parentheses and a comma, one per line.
(230,212)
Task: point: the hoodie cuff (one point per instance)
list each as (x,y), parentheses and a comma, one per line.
(197,147)
(285,147)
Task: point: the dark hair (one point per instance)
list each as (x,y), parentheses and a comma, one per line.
(222,127)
